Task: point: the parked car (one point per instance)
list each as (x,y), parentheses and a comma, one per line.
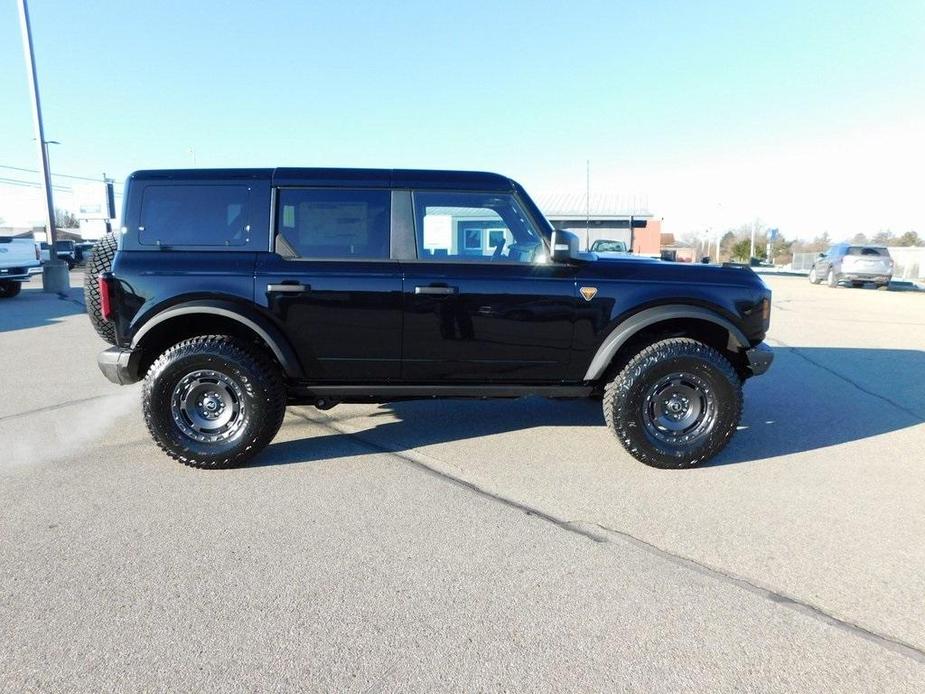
(19,260)
(66,251)
(853,264)
(233,293)
(608,246)
(83,250)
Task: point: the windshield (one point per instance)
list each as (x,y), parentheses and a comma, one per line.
(603,246)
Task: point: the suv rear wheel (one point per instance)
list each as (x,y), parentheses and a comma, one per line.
(213,401)
(675,404)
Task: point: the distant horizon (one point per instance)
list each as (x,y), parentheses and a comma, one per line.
(808,118)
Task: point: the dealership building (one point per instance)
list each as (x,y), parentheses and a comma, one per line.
(607,217)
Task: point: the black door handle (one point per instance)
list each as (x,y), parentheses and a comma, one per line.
(441,291)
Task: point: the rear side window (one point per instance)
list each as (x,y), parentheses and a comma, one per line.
(334,223)
(191,215)
(867,250)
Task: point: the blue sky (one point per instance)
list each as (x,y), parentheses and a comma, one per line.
(718,112)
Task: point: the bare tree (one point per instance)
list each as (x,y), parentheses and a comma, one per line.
(65,220)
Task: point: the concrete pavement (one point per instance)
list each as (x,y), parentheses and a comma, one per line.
(474,545)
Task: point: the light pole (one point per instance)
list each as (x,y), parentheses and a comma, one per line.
(54,272)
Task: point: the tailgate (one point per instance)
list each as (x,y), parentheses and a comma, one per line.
(867,264)
(17,252)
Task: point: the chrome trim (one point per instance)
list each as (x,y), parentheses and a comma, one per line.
(288,288)
(443,291)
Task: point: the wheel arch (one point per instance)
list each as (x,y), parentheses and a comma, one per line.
(208,317)
(672,320)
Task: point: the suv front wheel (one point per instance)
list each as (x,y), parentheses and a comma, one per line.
(213,401)
(675,404)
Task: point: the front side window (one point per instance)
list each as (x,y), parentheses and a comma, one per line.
(476,227)
(316,223)
(194,215)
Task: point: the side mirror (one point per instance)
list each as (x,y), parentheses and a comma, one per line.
(821,255)
(564,246)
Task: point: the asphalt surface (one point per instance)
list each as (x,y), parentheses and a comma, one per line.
(462,546)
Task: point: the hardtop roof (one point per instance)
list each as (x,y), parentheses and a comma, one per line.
(337,177)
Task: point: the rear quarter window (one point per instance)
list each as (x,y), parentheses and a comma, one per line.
(194,215)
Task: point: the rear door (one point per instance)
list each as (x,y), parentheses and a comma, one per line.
(482,301)
(331,284)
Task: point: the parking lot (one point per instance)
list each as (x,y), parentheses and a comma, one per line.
(469,545)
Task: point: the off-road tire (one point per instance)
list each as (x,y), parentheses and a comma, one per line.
(813,277)
(100,261)
(10,289)
(262,394)
(626,406)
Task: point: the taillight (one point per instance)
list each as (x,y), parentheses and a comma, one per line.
(766,312)
(105,285)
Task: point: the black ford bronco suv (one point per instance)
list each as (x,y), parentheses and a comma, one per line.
(233,293)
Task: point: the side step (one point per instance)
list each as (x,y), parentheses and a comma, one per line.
(309,394)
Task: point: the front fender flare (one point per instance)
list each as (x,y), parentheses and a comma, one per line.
(632,325)
(267,332)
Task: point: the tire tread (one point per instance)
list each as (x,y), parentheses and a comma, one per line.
(260,367)
(620,423)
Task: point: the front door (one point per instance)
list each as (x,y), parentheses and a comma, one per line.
(331,284)
(482,301)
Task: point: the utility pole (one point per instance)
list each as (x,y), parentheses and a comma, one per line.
(54,272)
(751,252)
(587,203)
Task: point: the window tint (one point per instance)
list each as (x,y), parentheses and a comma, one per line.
(335,223)
(194,215)
(867,250)
(478,227)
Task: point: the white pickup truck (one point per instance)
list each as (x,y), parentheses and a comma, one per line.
(19,260)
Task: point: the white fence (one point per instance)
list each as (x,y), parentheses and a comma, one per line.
(909,262)
(802,262)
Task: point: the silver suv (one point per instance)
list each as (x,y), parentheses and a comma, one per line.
(854,264)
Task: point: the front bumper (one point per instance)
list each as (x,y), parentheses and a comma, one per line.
(759,358)
(119,365)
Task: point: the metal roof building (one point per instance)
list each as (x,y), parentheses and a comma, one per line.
(607,216)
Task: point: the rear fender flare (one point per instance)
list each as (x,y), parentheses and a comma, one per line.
(262,327)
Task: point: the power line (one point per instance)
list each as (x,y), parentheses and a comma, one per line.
(98,179)
(36,184)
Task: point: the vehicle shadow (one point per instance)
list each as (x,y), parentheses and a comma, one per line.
(812,398)
(33,308)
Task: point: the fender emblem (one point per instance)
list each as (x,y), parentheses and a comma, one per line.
(588,292)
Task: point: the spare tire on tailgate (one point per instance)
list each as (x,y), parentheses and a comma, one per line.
(100,261)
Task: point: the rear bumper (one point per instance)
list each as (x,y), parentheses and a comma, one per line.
(19,274)
(119,365)
(865,277)
(759,359)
